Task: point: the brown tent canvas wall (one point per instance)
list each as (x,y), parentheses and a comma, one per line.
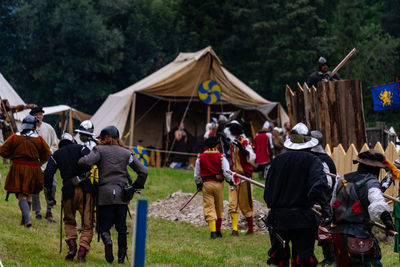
(178,82)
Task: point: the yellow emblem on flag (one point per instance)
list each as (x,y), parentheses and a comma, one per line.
(386,98)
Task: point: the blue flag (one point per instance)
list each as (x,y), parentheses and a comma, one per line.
(386,96)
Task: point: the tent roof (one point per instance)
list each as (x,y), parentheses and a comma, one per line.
(7,92)
(76,114)
(180,78)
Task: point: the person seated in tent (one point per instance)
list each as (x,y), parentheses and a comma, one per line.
(323,74)
(180,143)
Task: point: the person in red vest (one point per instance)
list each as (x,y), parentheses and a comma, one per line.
(263,151)
(209,172)
(241,193)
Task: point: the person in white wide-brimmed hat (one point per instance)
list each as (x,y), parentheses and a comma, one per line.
(295,182)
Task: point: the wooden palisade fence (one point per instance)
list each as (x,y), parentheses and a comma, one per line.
(334,108)
(343,160)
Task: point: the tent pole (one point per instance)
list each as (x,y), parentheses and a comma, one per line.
(208,113)
(167,141)
(63,115)
(70,123)
(132,122)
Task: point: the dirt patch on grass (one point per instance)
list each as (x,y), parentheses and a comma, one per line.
(193,212)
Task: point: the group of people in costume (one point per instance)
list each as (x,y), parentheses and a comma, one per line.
(305,196)
(212,168)
(94,176)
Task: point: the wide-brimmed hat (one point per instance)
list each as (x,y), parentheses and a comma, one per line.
(371,158)
(236,129)
(36,110)
(86,127)
(300,138)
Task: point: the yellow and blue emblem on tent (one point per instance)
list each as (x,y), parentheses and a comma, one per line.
(209,92)
(141,154)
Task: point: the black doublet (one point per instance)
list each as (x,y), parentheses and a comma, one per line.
(295,181)
(66,160)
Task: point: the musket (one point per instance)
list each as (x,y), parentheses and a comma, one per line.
(190,199)
(379,225)
(342,62)
(383,194)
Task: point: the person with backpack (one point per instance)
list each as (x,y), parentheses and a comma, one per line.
(112,159)
(357,201)
(27,151)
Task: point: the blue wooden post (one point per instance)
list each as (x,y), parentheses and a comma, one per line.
(139,234)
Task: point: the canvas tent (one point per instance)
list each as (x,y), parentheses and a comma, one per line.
(7,92)
(67,114)
(139,111)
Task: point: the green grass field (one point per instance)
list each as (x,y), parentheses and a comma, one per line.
(168,243)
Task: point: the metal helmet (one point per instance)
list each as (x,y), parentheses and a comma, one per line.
(320,137)
(300,138)
(110,131)
(86,127)
(322,61)
(29,123)
(66,138)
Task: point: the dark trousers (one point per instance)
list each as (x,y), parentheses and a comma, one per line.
(109,215)
(302,248)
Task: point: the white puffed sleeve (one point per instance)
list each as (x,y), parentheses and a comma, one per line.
(225,169)
(252,156)
(378,204)
(197,177)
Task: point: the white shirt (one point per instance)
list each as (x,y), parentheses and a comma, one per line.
(46,131)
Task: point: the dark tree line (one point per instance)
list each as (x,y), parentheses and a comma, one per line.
(77,52)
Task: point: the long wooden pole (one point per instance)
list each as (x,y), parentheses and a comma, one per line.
(132,121)
(247,179)
(208,113)
(7,114)
(190,199)
(314,208)
(342,62)
(384,195)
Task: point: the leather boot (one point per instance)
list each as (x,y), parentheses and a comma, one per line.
(72,249)
(250,225)
(82,254)
(121,254)
(218,227)
(108,250)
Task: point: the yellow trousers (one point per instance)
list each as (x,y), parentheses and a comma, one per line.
(213,200)
(241,197)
